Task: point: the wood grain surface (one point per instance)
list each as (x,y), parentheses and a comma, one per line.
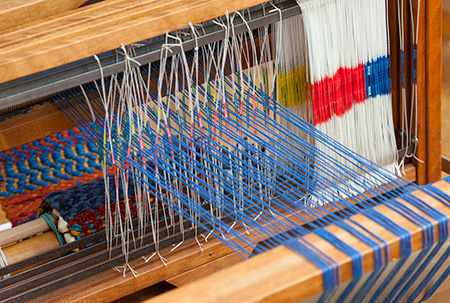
(31,247)
(101,27)
(14,13)
(24,231)
(281,275)
(432,87)
(38,123)
(186,264)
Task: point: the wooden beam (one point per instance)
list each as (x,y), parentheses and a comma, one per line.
(109,285)
(433,87)
(446,17)
(31,247)
(445,165)
(41,122)
(14,13)
(281,275)
(205,270)
(108,25)
(429,83)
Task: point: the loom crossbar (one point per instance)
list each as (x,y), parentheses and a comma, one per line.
(281,275)
(20,91)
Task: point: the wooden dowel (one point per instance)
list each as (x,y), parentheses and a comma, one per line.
(24,231)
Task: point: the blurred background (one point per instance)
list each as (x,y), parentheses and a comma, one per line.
(446,78)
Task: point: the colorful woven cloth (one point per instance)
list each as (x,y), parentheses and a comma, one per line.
(32,171)
(83,206)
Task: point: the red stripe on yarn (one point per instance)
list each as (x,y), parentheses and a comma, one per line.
(39,150)
(359,87)
(348,89)
(27,152)
(362,74)
(315,101)
(328,104)
(12,155)
(63,142)
(336,95)
(339,108)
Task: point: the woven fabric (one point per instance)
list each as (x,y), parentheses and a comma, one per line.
(83,197)
(83,206)
(32,171)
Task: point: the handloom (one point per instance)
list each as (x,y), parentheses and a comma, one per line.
(269,127)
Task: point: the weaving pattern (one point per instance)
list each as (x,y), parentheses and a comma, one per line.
(83,206)
(229,148)
(346,75)
(33,170)
(276,131)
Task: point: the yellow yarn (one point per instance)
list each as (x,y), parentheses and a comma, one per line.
(292,87)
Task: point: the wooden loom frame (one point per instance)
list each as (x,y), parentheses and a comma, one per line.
(57,46)
(429,85)
(19,58)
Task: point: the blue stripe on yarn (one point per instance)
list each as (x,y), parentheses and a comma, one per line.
(21,179)
(328,295)
(364,290)
(385,243)
(79,148)
(355,255)
(329,267)
(41,170)
(34,164)
(377,248)
(425,225)
(402,233)
(414,66)
(56,169)
(402,64)
(441,218)
(377,77)
(30,174)
(348,290)
(437,193)
(68,153)
(87,149)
